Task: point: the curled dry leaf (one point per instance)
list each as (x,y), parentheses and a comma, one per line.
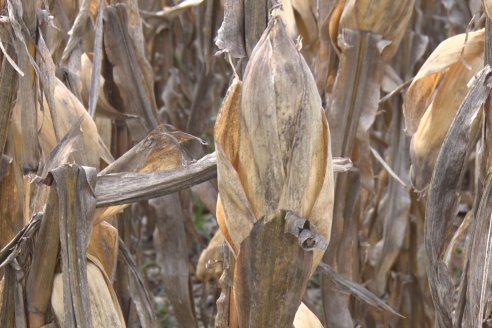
(365,15)
(434,97)
(443,197)
(273,143)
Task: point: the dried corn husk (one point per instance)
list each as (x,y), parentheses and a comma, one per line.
(457,50)
(281,158)
(103,246)
(273,155)
(305,318)
(69,110)
(105,309)
(434,97)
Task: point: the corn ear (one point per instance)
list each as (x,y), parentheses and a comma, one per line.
(272,140)
(274,169)
(105,309)
(434,97)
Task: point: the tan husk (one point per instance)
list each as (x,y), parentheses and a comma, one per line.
(273,154)
(457,50)
(282,158)
(105,309)
(104,247)
(69,110)
(434,97)
(305,318)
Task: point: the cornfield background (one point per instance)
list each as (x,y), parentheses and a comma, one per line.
(245,163)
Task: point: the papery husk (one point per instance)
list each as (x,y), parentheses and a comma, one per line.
(305,318)
(441,85)
(69,111)
(103,246)
(105,309)
(273,148)
(387,18)
(457,50)
(273,153)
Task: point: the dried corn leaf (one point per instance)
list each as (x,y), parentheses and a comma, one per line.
(157,162)
(122,52)
(44,260)
(477,287)
(139,293)
(443,197)
(15,259)
(394,207)
(126,188)
(286,12)
(305,12)
(8,90)
(357,290)
(230,37)
(353,108)
(172,256)
(7,309)
(22,25)
(61,153)
(9,202)
(75,188)
(459,15)
(457,50)
(48,82)
(98,54)
(103,107)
